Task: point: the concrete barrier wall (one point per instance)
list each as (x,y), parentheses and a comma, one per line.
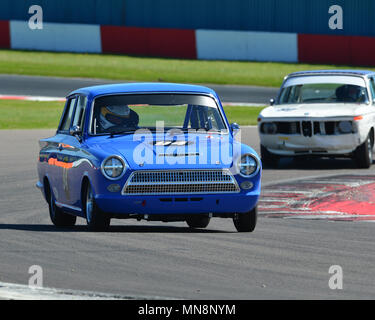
(4,34)
(246,45)
(56,37)
(346,50)
(190,44)
(174,43)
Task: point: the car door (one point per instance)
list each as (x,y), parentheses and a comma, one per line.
(372,100)
(57,163)
(74,156)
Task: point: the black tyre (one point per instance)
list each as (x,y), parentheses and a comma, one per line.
(269,159)
(198,222)
(246,222)
(58,217)
(363,154)
(96,219)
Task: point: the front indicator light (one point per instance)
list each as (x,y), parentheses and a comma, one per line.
(246,185)
(114,188)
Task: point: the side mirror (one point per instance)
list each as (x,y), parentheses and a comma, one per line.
(272,102)
(235,128)
(75,131)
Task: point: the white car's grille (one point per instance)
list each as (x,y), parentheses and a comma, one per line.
(180,182)
(307,128)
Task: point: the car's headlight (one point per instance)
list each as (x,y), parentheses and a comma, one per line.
(269,128)
(248,165)
(345,126)
(113,167)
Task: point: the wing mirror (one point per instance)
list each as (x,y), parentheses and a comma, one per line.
(272,102)
(235,128)
(75,131)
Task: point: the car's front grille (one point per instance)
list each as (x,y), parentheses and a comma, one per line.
(180,181)
(307,128)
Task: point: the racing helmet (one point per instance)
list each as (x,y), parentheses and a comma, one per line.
(350,93)
(353,92)
(113,116)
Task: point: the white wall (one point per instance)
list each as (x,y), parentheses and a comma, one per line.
(56,37)
(246,45)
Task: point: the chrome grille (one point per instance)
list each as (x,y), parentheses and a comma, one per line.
(180,181)
(308,128)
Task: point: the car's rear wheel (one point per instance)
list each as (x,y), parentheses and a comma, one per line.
(96,219)
(58,217)
(269,159)
(198,222)
(246,222)
(363,154)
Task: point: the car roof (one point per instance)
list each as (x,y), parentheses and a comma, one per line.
(340,72)
(151,87)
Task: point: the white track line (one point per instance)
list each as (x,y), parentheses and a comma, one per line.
(30,98)
(12,291)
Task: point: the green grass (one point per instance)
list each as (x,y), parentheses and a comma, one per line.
(18,114)
(120,67)
(244,116)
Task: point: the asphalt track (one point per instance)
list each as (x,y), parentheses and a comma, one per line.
(282,259)
(60,87)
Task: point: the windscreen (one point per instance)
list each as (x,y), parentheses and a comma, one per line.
(127,113)
(311,90)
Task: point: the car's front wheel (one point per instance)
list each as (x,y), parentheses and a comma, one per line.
(246,222)
(198,222)
(363,154)
(58,217)
(95,218)
(268,158)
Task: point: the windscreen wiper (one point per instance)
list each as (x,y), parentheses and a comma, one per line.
(112,134)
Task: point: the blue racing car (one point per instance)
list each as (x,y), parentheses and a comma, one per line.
(159,152)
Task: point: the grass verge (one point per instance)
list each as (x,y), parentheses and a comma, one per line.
(19,114)
(120,67)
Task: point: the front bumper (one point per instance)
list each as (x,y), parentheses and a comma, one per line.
(178,204)
(317,144)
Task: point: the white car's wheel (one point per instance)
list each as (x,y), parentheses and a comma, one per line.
(268,158)
(364,153)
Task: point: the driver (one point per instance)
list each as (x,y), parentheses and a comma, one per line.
(349,93)
(353,93)
(118,118)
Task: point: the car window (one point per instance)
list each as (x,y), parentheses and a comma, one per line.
(372,88)
(116,113)
(65,124)
(323,93)
(78,116)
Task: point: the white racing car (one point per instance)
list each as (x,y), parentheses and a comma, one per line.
(329,113)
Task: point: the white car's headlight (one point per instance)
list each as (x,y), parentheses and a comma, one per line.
(113,167)
(248,165)
(345,126)
(269,128)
